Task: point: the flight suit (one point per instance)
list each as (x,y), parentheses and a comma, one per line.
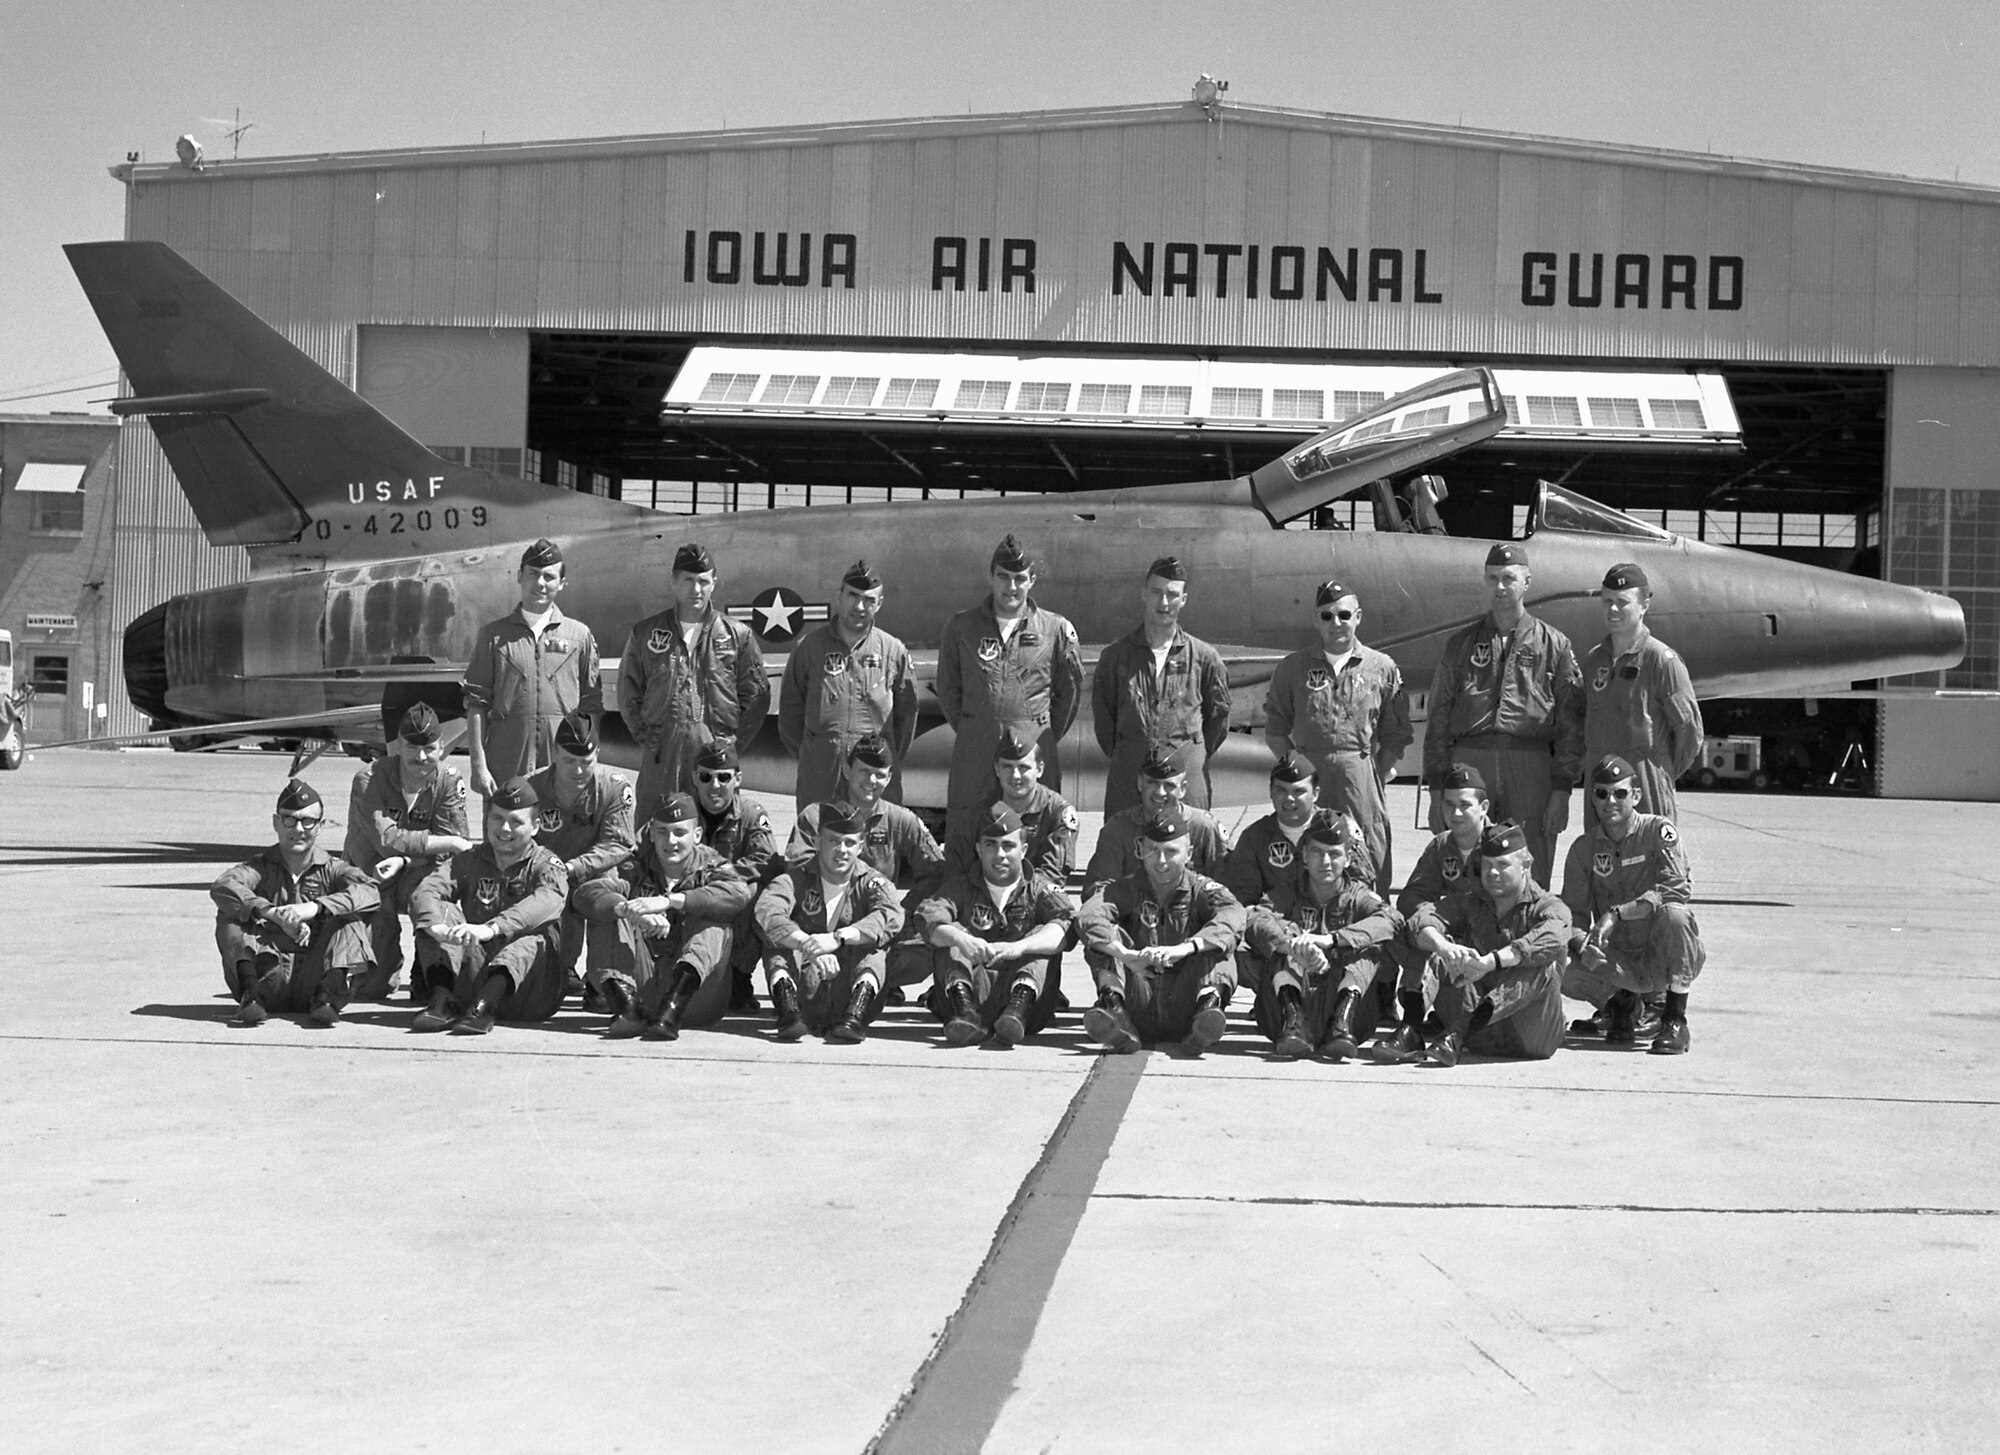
(967,901)
(1345,725)
(717,896)
(524,900)
(1510,705)
(287,972)
(743,835)
(1663,950)
(526,683)
(1264,857)
(589,837)
(987,683)
(1363,927)
(1117,851)
(1186,707)
(793,903)
(1642,707)
(1525,1019)
(896,845)
(1442,869)
(382,823)
(675,701)
(1161,1003)
(833,695)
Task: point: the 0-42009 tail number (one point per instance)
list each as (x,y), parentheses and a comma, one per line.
(403,522)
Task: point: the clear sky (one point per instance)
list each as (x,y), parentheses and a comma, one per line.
(1905,87)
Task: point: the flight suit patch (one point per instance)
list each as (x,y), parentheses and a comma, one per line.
(487,892)
(1318,679)
(836,663)
(1451,869)
(1149,914)
(983,917)
(1601,865)
(552,820)
(1601,680)
(659,641)
(989,649)
(1482,655)
(1668,835)
(812,903)
(1280,855)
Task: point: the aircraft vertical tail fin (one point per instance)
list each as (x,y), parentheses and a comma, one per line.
(272,451)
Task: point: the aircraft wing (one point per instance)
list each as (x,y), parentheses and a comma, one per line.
(300,723)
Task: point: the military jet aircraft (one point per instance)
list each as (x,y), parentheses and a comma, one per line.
(375,561)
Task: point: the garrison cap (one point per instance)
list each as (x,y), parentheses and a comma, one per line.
(1294,767)
(542,553)
(675,808)
(1161,763)
(837,817)
(1505,837)
(693,558)
(514,794)
(1329,592)
(1508,553)
(420,725)
(1010,556)
(1612,769)
(574,734)
(1167,568)
(872,749)
(862,577)
(716,754)
(1462,775)
(297,794)
(1012,747)
(998,821)
(1625,576)
(1339,832)
(1164,828)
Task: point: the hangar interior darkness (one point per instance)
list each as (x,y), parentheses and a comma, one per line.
(1808,481)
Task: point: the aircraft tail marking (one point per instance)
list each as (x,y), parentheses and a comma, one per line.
(276,454)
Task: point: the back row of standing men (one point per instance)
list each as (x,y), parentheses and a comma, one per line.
(1508,697)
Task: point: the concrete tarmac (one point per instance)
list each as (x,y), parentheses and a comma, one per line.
(359,1238)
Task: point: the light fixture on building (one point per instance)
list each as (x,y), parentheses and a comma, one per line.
(1208,94)
(189,151)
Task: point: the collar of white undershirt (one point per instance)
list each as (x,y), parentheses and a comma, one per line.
(1294,834)
(833,894)
(1340,662)
(537,622)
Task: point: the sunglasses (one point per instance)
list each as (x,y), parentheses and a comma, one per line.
(703,775)
(1620,794)
(1338,615)
(293,821)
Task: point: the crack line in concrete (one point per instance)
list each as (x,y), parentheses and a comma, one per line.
(1394,1204)
(957,1394)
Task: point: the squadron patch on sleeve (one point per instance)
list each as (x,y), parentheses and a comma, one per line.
(1668,834)
(1069,817)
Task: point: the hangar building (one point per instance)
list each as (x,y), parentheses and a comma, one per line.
(527,307)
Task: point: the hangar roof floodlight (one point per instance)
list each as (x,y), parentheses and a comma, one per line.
(1208,94)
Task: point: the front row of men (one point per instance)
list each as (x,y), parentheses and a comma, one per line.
(1474,955)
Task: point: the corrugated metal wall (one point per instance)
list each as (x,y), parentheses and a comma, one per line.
(1520,250)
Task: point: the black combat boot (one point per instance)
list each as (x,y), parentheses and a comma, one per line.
(1444,1050)
(1339,1042)
(328,997)
(1012,1025)
(1209,1022)
(785,1007)
(1621,1014)
(668,1026)
(1672,1037)
(1291,1038)
(961,1027)
(1108,1024)
(437,1014)
(1406,1043)
(252,1011)
(626,1019)
(479,1017)
(852,1028)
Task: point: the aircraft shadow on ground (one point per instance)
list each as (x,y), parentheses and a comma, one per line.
(80,856)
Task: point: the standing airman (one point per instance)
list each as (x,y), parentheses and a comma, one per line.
(1159,686)
(691,675)
(527,672)
(291,921)
(1639,702)
(845,680)
(1507,699)
(1341,704)
(1003,666)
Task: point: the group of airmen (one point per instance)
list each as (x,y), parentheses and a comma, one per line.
(670,896)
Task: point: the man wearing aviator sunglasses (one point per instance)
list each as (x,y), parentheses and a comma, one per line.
(1341,704)
(1634,936)
(292,920)
(740,831)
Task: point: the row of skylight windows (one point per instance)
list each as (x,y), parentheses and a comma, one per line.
(842,391)
(1562,411)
